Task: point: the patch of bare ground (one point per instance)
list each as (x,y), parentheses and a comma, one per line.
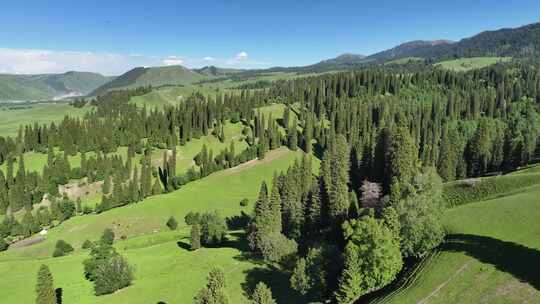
(80,188)
(270,156)
(28,242)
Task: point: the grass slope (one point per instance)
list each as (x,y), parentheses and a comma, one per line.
(48,86)
(491,255)
(170,95)
(11,119)
(466,64)
(154,76)
(164,270)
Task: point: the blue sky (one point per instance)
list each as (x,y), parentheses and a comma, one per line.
(112,36)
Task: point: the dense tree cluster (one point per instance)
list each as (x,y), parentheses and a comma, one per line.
(106,268)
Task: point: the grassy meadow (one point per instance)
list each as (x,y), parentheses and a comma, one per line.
(162,266)
(11,119)
(491,255)
(466,64)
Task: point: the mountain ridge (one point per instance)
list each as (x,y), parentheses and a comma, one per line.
(38,87)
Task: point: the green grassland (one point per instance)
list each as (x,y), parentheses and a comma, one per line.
(466,64)
(170,95)
(490,256)
(164,271)
(11,119)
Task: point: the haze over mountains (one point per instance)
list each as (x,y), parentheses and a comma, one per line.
(49,86)
(517,42)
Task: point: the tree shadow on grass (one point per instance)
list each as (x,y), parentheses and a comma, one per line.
(277,280)
(520,261)
(184,243)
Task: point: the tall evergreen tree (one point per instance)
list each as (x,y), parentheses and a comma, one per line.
(45,286)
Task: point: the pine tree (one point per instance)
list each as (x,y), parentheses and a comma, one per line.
(195,237)
(45,286)
(262,295)
(335,175)
(107,185)
(401,163)
(214,291)
(156,189)
(293,136)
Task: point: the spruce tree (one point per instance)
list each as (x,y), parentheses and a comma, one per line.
(214,291)
(45,286)
(195,237)
(262,295)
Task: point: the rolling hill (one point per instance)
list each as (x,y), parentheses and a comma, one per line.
(154,76)
(215,71)
(48,86)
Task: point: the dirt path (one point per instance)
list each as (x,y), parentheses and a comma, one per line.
(28,242)
(270,156)
(441,286)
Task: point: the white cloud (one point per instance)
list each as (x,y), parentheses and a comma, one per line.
(173,60)
(241,56)
(37,61)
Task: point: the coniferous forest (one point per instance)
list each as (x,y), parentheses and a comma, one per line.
(352,182)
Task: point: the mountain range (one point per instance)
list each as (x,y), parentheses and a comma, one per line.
(510,42)
(49,86)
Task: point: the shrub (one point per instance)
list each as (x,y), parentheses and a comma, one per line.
(192,218)
(87,244)
(62,248)
(172,223)
(3,244)
(108,236)
(87,210)
(244,202)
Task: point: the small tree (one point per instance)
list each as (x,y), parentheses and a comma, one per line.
(213,228)
(87,244)
(78,205)
(3,244)
(112,275)
(262,295)
(172,223)
(108,236)
(45,286)
(195,237)
(62,248)
(214,291)
(244,202)
(192,218)
(299,278)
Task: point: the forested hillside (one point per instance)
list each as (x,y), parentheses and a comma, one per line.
(387,140)
(516,42)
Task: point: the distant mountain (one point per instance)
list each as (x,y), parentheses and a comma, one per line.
(341,62)
(154,76)
(215,71)
(48,86)
(409,49)
(515,42)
